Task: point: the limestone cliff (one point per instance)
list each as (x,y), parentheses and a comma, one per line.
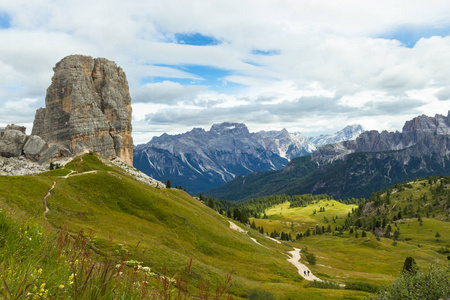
(88,107)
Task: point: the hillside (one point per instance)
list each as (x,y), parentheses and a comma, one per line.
(409,219)
(161,228)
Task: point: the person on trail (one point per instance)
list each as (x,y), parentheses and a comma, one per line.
(304,272)
(308,272)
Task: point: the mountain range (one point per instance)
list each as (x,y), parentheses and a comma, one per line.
(199,160)
(355,168)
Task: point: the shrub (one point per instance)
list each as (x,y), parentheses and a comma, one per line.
(323,285)
(361,286)
(311,258)
(257,294)
(432,284)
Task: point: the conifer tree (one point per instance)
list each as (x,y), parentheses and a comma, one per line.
(410,266)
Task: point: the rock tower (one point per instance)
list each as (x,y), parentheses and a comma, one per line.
(88,107)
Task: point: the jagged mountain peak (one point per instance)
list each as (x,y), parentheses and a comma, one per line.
(200,159)
(349,132)
(229,128)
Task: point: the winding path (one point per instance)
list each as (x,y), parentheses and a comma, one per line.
(239,229)
(301,267)
(294,259)
(72,173)
(44,200)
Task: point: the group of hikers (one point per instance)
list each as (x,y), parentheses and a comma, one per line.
(305,272)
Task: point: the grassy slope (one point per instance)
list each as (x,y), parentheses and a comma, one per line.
(160,227)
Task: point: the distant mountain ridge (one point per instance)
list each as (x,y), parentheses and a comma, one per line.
(356,168)
(199,159)
(350,132)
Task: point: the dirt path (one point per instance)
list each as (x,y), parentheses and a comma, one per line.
(239,229)
(301,267)
(75,173)
(294,259)
(44,200)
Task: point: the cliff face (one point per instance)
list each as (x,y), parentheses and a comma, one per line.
(88,107)
(425,132)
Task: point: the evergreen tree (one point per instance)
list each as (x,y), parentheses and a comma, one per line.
(363,234)
(211,202)
(168,184)
(410,265)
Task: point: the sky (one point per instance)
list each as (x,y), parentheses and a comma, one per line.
(310,66)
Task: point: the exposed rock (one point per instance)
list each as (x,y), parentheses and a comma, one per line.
(350,132)
(424,131)
(19,166)
(138,175)
(88,106)
(12,140)
(33,147)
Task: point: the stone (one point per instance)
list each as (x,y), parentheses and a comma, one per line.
(19,166)
(33,147)
(88,107)
(12,140)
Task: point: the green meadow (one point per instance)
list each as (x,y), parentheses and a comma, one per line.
(106,234)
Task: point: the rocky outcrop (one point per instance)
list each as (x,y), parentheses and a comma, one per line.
(88,107)
(19,166)
(19,152)
(424,131)
(12,140)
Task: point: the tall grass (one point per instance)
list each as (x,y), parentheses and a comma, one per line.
(37,263)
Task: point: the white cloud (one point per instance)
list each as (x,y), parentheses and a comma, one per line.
(329,65)
(166,92)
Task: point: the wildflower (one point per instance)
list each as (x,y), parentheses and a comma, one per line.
(40,272)
(61,286)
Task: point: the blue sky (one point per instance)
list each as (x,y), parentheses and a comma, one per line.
(195,39)
(409,35)
(307,66)
(5,20)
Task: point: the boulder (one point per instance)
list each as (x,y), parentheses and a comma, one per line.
(12,140)
(33,147)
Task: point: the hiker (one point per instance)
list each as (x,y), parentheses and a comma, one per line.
(308,272)
(304,272)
